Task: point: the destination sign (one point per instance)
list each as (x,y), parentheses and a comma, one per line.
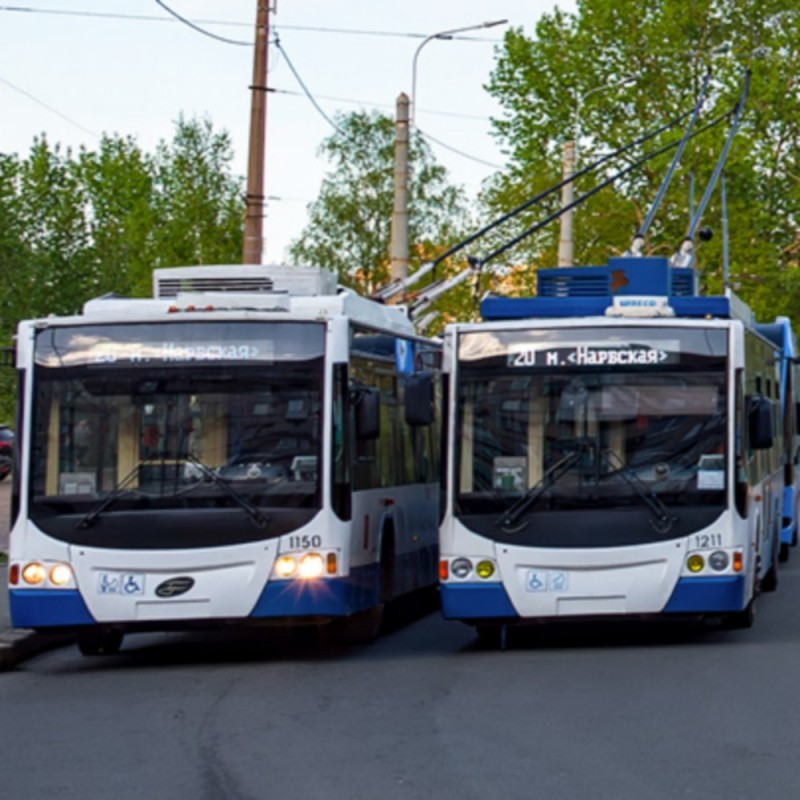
(591,356)
(595,347)
(179,343)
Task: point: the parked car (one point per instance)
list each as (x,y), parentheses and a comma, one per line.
(6,444)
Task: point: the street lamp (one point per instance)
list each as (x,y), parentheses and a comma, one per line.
(404,121)
(569,165)
(627,80)
(441,35)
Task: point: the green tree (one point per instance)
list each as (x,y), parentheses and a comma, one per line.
(197,200)
(581,60)
(350,222)
(121,214)
(76,226)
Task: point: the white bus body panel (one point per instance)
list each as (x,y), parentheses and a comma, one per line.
(117,585)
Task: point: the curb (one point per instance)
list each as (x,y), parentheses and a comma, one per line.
(18,645)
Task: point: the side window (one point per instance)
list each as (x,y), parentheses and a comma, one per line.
(342,427)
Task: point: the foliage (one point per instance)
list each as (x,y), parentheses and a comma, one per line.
(78,225)
(571,75)
(350,221)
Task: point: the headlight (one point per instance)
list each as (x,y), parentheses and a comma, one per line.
(461,567)
(60,574)
(695,562)
(311,565)
(485,569)
(285,567)
(718,560)
(34,573)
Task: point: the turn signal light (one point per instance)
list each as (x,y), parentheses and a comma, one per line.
(738,561)
(444,571)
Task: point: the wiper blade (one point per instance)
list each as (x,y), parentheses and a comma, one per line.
(253,511)
(120,489)
(551,476)
(661,519)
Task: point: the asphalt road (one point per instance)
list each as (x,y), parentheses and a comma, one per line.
(625,711)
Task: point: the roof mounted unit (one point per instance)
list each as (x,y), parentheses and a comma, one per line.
(243,279)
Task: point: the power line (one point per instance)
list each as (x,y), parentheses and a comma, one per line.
(372,104)
(305,89)
(280,48)
(49,108)
(198,28)
(456,151)
(233,23)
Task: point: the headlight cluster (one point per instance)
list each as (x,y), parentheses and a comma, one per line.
(305,566)
(462,568)
(715,561)
(46,575)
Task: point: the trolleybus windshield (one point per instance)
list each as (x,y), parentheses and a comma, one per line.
(548,422)
(131,419)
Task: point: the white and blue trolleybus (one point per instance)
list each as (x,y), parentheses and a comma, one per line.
(250,444)
(619,443)
(611,454)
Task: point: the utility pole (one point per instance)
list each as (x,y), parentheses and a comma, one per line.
(398,248)
(254,202)
(565,244)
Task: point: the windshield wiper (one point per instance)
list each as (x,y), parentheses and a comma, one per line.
(551,476)
(661,519)
(89,519)
(253,512)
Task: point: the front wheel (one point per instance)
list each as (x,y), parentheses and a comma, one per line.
(492,636)
(363,627)
(741,620)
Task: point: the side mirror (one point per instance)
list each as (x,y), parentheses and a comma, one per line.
(367,404)
(419,399)
(759,422)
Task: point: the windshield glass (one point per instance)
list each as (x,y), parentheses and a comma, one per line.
(551,425)
(168,417)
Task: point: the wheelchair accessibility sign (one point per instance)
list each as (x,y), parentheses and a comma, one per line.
(546,581)
(124,583)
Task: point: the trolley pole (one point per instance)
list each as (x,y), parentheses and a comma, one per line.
(253,247)
(398,248)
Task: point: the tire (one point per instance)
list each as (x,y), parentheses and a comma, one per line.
(741,620)
(97,643)
(364,627)
(783,555)
(769,583)
(491,636)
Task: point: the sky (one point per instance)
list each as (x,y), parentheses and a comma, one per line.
(75,69)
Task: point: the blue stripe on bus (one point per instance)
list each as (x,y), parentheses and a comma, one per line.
(475,601)
(335,597)
(44,608)
(787,530)
(725,593)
